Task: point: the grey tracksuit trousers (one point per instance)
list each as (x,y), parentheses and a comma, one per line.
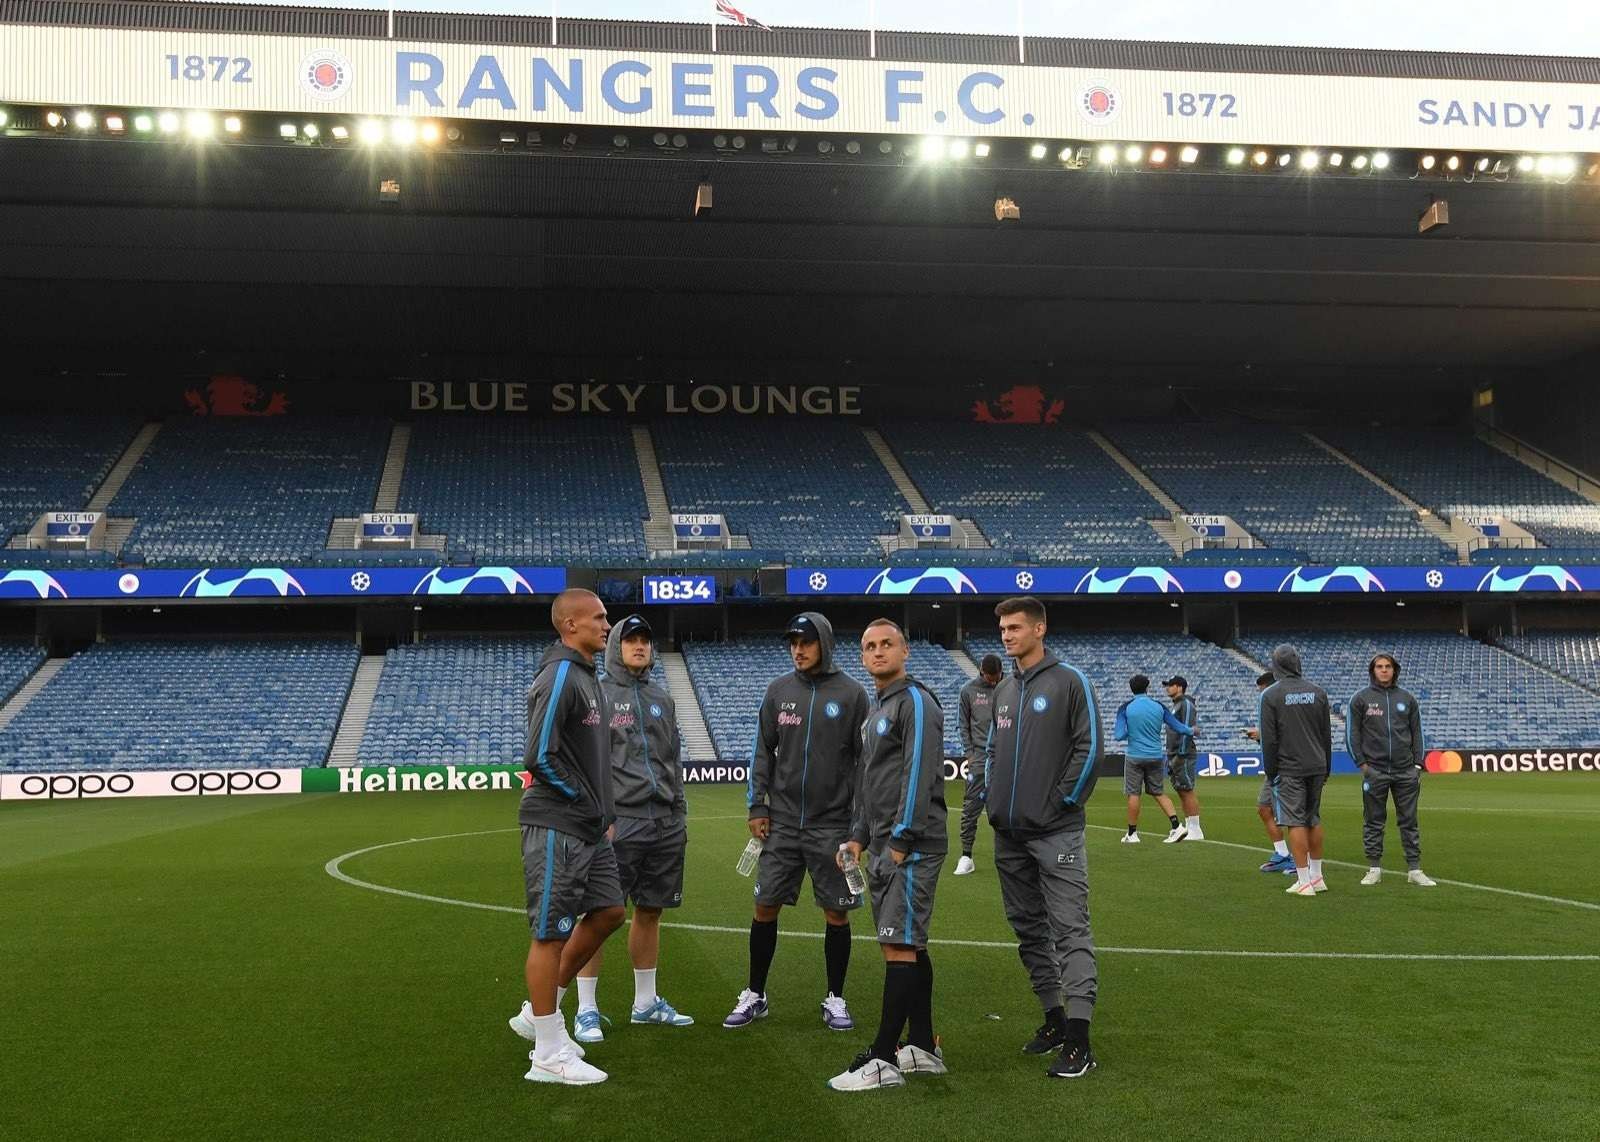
(1405,786)
(1044,885)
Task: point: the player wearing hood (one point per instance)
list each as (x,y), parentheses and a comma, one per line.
(1297,754)
(651,836)
(1384,732)
(802,787)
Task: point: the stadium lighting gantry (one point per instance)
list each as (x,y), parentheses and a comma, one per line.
(371,132)
(83,121)
(200,125)
(1038,151)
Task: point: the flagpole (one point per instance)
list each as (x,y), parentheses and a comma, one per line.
(554,16)
(713,27)
(1022,44)
(872,29)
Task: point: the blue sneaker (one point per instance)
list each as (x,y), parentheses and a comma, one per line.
(661,1012)
(747,1010)
(586,1027)
(1279,863)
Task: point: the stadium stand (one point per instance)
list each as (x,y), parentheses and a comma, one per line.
(17,661)
(1050,492)
(508,490)
(454,701)
(54,463)
(813,490)
(1472,694)
(247,491)
(1575,654)
(1453,473)
(1223,687)
(730,679)
(1283,489)
(158,705)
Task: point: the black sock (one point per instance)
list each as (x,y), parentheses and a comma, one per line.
(1173,819)
(836,950)
(921,1032)
(967,853)
(900,982)
(1132,829)
(1077,1032)
(763,945)
(1056,1017)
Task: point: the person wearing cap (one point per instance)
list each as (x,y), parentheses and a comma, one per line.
(1280,861)
(651,835)
(802,786)
(1384,732)
(1181,754)
(1139,723)
(977,712)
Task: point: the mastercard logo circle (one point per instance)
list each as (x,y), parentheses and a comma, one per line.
(1442,761)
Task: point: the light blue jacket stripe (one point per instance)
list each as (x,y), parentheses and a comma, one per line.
(916,764)
(544,734)
(1094,735)
(549,880)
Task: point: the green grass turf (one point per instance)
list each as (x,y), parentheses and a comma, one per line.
(186,969)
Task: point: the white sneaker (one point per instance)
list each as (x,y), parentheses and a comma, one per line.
(965,867)
(1421,879)
(1298,889)
(1373,876)
(914,1060)
(566,1068)
(867,1073)
(1196,835)
(835,1015)
(1176,835)
(1130,838)
(1319,885)
(522,1024)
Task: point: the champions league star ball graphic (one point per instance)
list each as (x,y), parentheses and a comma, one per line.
(1137,580)
(1544,578)
(928,581)
(1302,581)
(360,581)
(30,584)
(472,581)
(256,582)
(1434,578)
(818,581)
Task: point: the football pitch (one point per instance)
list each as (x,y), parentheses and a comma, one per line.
(197,968)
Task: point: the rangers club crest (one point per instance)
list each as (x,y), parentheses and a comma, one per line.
(325,75)
(1098,103)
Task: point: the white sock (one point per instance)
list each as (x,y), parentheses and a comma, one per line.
(1193,823)
(644,988)
(561,994)
(1281,848)
(586,989)
(550,1035)
(1316,869)
(1302,874)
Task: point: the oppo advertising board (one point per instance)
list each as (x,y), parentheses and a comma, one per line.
(185,70)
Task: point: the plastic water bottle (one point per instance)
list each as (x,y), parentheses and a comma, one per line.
(751,854)
(853,878)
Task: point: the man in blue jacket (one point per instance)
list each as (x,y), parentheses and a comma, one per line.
(1140,722)
(1043,747)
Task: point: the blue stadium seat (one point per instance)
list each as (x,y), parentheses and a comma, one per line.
(18,660)
(181,704)
(507,490)
(1051,490)
(1451,472)
(1283,489)
(240,491)
(1576,654)
(812,489)
(54,463)
(1472,695)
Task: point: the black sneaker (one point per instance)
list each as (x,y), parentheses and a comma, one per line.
(1047,1038)
(1075,1062)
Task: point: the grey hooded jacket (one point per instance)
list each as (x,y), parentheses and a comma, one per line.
(977,711)
(808,744)
(568,755)
(1384,725)
(1296,721)
(1042,751)
(900,799)
(646,750)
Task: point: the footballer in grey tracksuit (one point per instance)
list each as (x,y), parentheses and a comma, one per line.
(975,716)
(1383,730)
(646,776)
(803,776)
(900,806)
(1296,741)
(1041,756)
(568,864)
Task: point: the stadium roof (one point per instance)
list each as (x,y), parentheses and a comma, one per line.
(822,43)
